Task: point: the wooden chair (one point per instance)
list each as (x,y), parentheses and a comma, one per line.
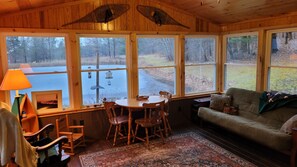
(5,105)
(167,127)
(75,134)
(152,119)
(115,120)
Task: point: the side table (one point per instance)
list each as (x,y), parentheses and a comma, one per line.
(199,102)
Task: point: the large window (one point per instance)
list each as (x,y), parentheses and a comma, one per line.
(241,61)
(103,68)
(43,60)
(156,63)
(282,69)
(200,64)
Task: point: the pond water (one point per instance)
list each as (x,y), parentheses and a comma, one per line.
(113,88)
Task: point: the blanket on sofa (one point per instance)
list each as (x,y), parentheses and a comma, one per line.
(273,100)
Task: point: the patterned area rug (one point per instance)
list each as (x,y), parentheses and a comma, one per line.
(187,149)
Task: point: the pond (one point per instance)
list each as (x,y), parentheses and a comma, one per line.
(113,88)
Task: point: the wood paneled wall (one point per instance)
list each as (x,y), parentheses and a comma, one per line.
(284,21)
(55,16)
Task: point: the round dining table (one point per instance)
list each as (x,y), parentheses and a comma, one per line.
(133,104)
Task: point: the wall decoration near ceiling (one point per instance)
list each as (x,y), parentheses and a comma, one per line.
(103,14)
(158,16)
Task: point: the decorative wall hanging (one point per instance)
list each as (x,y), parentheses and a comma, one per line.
(158,16)
(103,14)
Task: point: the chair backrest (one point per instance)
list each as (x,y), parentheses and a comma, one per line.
(153,110)
(62,125)
(165,94)
(110,111)
(5,105)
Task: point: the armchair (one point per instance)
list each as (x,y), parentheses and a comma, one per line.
(42,133)
(15,150)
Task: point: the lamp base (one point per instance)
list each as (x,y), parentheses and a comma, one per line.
(19,112)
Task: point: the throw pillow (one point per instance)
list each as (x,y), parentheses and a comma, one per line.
(217,102)
(289,124)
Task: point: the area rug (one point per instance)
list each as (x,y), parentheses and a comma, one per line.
(186,149)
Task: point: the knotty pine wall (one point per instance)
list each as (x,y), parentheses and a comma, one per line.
(284,21)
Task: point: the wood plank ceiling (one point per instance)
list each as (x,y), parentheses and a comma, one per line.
(224,12)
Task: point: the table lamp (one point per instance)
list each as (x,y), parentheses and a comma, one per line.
(15,79)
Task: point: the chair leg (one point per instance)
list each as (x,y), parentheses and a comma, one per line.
(168,126)
(83,141)
(165,126)
(115,135)
(135,133)
(161,134)
(72,149)
(120,128)
(108,133)
(147,137)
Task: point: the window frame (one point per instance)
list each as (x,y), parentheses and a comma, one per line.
(216,63)
(4,59)
(268,65)
(128,57)
(224,58)
(175,66)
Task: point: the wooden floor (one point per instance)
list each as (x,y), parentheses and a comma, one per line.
(253,152)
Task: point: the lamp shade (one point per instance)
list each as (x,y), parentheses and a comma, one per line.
(15,79)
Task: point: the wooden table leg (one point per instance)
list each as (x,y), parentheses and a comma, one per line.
(129,125)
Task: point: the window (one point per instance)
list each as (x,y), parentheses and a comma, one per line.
(103,68)
(200,64)
(42,59)
(156,64)
(241,61)
(283,62)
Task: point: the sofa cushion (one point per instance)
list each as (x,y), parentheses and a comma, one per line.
(287,126)
(249,128)
(217,102)
(247,100)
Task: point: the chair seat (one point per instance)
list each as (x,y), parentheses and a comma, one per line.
(146,123)
(119,120)
(77,136)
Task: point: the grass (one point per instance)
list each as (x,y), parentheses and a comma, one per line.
(199,78)
(241,77)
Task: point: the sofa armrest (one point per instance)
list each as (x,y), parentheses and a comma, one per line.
(294,136)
